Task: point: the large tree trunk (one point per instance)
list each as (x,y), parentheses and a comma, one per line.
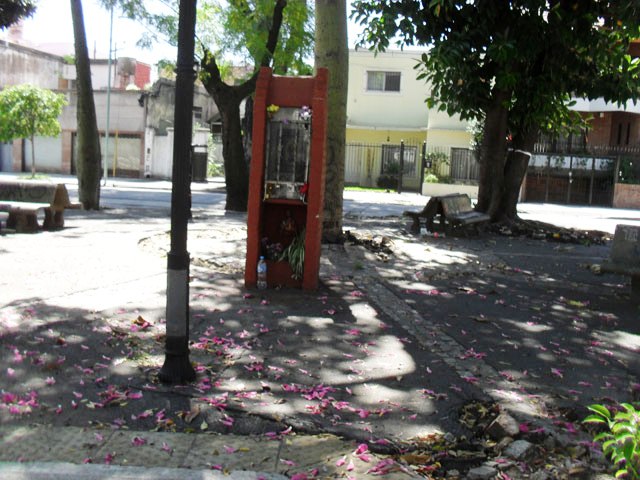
(514,172)
(88,139)
(236,168)
(492,155)
(228,99)
(331,51)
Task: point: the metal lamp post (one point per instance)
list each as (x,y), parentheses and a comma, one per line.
(177,367)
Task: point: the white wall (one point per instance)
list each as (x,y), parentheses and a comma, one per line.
(25,65)
(404,109)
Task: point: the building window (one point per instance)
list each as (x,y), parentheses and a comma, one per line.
(383,81)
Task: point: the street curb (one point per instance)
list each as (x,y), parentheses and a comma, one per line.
(70,471)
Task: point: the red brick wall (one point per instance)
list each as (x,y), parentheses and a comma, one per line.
(626,196)
(600,129)
(143,75)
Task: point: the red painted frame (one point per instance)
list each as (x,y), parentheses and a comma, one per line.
(262,214)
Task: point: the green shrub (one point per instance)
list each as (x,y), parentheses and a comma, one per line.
(431,178)
(622,442)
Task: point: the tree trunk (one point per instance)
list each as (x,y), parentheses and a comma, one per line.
(88,138)
(331,51)
(514,172)
(33,156)
(492,155)
(236,169)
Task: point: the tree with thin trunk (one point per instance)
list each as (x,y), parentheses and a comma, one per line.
(28,111)
(332,52)
(88,155)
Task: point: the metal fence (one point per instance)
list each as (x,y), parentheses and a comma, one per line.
(384,165)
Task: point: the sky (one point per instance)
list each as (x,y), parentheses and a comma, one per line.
(51,25)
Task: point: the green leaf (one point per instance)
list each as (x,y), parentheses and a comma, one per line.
(594,419)
(600,410)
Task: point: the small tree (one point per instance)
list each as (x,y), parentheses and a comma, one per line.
(27,111)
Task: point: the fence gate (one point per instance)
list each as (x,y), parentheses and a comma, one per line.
(464,166)
(571,179)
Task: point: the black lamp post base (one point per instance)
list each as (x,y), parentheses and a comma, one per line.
(177,370)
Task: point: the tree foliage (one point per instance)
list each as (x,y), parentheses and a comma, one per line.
(12,11)
(513,65)
(28,111)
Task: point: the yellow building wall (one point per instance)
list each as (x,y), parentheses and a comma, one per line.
(380,136)
(445,139)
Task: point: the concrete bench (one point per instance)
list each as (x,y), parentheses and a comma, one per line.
(625,256)
(455,210)
(24,200)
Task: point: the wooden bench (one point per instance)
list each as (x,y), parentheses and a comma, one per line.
(625,256)
(455,210)
(24,200)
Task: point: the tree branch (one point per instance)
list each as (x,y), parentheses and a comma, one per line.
(274,32)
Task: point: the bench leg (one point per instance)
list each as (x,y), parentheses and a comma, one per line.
(415,226)
(635,288)
(53,219)
(23,222)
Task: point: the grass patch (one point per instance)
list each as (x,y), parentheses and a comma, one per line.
(37,176)
(366,189)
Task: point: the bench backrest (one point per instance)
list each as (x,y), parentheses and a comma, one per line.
(456,203)
(626,246)
(35,192)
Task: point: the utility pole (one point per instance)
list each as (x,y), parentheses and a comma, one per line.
(177,368)
(105,162)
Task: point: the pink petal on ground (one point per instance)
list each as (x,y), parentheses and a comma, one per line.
(351,466)
(87,460)
(108,458)
(166,448)
(341,461)
(299,476)
(363,447)
(288,463)
(557,372)
(138,441)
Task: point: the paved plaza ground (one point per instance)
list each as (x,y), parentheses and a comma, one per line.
(395,366)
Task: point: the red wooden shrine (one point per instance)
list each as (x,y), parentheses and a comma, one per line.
(286,184)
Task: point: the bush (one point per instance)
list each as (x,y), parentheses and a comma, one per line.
(387,182)
(622,442)
(431,178)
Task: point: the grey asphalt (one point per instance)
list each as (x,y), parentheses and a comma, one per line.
(403,341)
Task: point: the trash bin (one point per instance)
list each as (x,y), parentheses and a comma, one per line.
(199,163)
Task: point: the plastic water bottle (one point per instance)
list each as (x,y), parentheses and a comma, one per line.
(262,274)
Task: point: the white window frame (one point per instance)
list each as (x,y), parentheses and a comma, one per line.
(383,91)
